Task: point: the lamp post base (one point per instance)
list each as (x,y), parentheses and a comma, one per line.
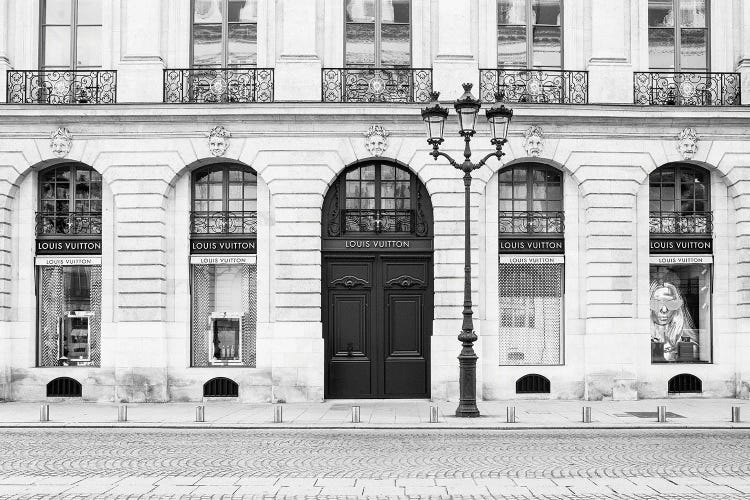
(467,382)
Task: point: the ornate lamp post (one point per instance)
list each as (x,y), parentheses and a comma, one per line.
(467,108)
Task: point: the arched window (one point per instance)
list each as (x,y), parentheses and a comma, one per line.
(680,200)
(225,200)
(70,201)
(530,200)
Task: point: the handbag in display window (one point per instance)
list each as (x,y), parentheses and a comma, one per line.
(225,338)
(687,350)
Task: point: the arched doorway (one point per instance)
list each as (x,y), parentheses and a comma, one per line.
(377,283)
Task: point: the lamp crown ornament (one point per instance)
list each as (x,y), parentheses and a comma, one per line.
(218,140)
(60,142)
(376,139)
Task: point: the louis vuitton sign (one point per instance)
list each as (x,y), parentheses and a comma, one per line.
(531,245)
(69,246)
(223,246)
(681,245)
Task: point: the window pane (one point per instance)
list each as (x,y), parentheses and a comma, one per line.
(661,48)
(57,46)
(208,11)
(57,12)
(511,46)
(660,13)
(693,13)
(546,12)
(693,49)
(243,11)
(207,45)
(89,46)
(394,45)
(360,44)
(511,12)
(89,12)
(547,47)
(242,46)
(360,11)
(368,172)
(394,11)
(680,304)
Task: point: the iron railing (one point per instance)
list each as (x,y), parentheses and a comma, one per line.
(680,223)
(68,223)
(223,222)
(214,85)
(62,87)
(536,222)
(378,221)
(687,89)
(534,86)
(377,85)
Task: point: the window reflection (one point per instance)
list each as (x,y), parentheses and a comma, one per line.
(529,33)
(378,33)
(221,40)
(689,33)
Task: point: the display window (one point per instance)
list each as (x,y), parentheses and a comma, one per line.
(531,313)
(224,322)
(680,305)
(69,315)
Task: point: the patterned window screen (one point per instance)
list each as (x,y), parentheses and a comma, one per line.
(220,289)
(70,299)
(530,314)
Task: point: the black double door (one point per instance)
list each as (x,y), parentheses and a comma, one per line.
(377,324)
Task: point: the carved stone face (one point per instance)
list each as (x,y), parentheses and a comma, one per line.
(60,143)
(534,145)
(376,144)
(688,147)
(217,145)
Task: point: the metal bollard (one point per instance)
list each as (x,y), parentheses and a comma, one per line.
(434,415)
(510,414)
(44,413)
(735,414)
(200,413)
(586,416)
(277,414)
(122,413)
(355,414)
(661,414)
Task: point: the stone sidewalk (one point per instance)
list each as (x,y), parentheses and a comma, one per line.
(392,414)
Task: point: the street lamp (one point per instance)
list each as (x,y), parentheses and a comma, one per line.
(467,108)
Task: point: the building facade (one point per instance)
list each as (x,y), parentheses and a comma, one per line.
(235,198)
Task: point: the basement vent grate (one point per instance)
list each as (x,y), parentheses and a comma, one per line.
(64,387)
(220,387)
(684,383)
(532,384)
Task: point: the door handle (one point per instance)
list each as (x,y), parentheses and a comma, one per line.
(349,349)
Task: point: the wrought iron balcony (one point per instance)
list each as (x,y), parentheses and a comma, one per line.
(223,222)
(687,89)
(62,87)
(377,85)
(681,223)
(378,221)
(534,85)
(69,224)
(536,222)
(214,85)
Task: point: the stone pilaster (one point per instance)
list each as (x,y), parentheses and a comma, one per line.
(455,62)
(141,62)
(8,188)
(297,75)
(610,65)
(609,247)
(743,63)
(4,56)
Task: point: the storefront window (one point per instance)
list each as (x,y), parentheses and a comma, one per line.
(225,33)
(224,304)
(529,34)
(680,304)
(70,315)
(378,33)
(530,306)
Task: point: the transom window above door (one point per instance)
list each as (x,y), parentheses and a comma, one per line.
(71,34)
(225,33)
(529,34)
(530,200)
(378,33)
(70,201)
(678,35)
(680,200)
(225,201)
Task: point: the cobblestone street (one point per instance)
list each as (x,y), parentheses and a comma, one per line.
(594,464)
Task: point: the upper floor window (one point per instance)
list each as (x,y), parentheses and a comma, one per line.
(680,200)
(71,34)
(530,199)
(529,34)
(70,200)
(678,35)
(225,200)
(378,33)
(225,33)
